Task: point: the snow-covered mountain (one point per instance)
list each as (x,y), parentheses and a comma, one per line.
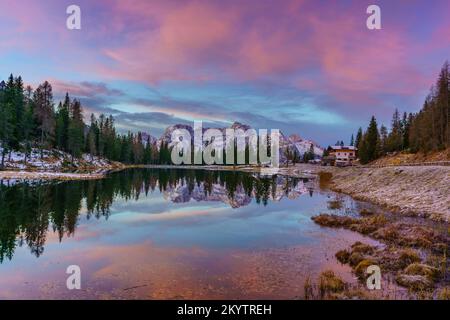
(293,143)
(166,137)
(219,193)
(181,194)
(146,136)
(302,146)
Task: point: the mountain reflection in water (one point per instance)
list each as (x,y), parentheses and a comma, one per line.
(28,210)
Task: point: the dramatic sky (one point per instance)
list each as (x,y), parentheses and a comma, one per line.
(306,67)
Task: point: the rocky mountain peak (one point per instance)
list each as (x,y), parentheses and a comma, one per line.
(295,138)
(237,125)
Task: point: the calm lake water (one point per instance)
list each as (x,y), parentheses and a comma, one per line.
(168,234)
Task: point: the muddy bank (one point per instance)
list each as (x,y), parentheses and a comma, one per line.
(416,191)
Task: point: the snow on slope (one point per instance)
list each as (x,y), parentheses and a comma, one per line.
(52,160)
(293,142)
(303,146)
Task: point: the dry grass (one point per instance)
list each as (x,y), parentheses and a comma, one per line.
(330,220)
(308,288)
(406,264)
(444,294)
(329,283)
(365,212)
(407,257)
(362,248)
(360,269)
(412,236)
(343,256)
(415,282)
(365,225)
(398,257)
(431,273)
(335,204)
(405,158)
(331,287)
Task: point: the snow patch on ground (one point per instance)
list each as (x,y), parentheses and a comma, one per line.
(52,160)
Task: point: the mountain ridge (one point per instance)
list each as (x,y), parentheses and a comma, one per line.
(293,143)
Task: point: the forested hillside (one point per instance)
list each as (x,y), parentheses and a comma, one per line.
(425,131)
(29,119)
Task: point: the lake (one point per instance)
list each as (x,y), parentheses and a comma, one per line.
(169,234)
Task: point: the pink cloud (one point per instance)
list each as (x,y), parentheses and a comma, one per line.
(324,49)
(84,88)
(204,41)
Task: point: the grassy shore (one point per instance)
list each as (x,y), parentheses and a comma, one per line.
(415,251)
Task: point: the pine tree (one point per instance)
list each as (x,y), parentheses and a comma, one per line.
(363,152)
(309,155)
(125,155)
(442,107)
(358,137)
(91,141)
(6,125)
(138,149)
(44,114)
(155,153)
(164,153)
(10,139)
(29,126)
(406,125)
(372,139)
(76,130)
(429,129)
(18,104)
(383,139)
(101,136)
(148,152)
(395,137)
(369,145)
(62,124)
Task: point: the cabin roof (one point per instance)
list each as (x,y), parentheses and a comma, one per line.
(343,148)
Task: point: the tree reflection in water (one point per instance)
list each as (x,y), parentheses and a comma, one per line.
(29,209)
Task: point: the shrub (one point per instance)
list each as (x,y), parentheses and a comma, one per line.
(330,283)
(343,256)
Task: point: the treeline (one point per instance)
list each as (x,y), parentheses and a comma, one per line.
(29,119)
(425,131)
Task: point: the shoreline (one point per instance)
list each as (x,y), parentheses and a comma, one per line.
(47,175)
(410,252)
(409,191)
